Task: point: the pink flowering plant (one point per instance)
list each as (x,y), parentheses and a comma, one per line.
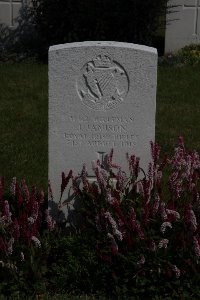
(23,218)
(134,233)
(147,221)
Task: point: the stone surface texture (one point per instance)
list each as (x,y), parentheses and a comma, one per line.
(183,24)
(102,95)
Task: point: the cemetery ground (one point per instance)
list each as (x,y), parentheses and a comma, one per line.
(24,116)
(24,147)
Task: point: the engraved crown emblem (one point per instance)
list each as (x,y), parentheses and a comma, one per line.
(102,61)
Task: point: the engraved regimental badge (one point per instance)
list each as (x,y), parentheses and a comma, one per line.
(103,83)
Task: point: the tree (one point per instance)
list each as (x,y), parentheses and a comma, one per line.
(61,21)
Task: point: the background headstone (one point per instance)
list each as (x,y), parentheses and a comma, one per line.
(183,24)
(9,11)
(102,95)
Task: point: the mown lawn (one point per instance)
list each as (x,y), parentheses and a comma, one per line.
(24,122)
(24,116)
(178,106)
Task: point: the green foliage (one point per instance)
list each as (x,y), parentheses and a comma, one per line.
(64,21)
(114,251)
(5,42)
(26,41)
(188,55)
(22,42)
(24,222)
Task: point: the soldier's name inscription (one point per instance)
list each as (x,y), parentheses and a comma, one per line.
(100,131)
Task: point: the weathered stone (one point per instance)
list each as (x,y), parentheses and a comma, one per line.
(102,95)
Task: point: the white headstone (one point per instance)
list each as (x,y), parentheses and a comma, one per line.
(9,11)
(102,95)
(183,24)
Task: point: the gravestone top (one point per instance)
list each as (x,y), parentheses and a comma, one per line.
(102,44)
(102,95)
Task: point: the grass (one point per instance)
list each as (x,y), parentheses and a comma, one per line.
(178,106)
(24,119)
(58,297)
(24,122)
